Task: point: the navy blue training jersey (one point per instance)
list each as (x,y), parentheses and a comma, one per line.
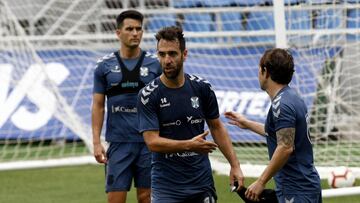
(179,114)
(120,80)
(298,176)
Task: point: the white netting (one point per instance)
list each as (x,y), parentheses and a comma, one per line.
(40,116)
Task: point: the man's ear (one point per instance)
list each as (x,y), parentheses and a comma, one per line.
(185,54)
(266,72)
(118,31)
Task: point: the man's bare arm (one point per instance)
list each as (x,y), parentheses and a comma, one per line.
(156,143)
(97,119)
(222,139)
(244,123)
(285,146)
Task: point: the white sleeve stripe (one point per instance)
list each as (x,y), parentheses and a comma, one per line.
(108,56)
(198,79)
(149,89)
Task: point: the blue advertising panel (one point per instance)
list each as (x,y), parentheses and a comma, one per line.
(30,110)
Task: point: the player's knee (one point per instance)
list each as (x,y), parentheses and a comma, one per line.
(117,197)
(143,196)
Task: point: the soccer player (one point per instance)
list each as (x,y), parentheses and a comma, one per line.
(286,131)
(119,76)
(172,112)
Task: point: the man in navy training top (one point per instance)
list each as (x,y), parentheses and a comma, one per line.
(287,135)
(172,112)
(119,76)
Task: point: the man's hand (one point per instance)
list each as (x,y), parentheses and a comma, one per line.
(200,145)
(254,190)
(236,119)
(236,175)
(99,153)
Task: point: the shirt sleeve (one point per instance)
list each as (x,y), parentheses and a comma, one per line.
(147,116)
(99,80)
(284,116)
(211,108)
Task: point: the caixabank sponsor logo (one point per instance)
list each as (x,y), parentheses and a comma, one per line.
(34,86)
(123,109)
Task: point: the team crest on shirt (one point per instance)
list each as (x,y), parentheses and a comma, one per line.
(195,102)
(144,71)
(116,69)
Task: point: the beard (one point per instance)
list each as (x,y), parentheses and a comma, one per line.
(173,73)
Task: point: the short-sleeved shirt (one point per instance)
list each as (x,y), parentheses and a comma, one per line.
(178,114)
(120,80)
(298,176)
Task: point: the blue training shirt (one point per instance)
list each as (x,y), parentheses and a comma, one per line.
(121,92)
(179,114)
(298,176)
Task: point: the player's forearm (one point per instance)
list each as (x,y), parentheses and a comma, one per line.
(223,140)
(278,160)
(97,116)
(165,145)
(256,127)
(97,120)
(159,144)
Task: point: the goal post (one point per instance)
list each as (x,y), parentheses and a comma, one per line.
(49,49)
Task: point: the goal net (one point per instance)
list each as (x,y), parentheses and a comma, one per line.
(45,90)
(48,51)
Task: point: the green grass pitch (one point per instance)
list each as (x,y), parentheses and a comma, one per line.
(85,184)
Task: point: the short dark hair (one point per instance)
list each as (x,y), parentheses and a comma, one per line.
(279,63)
(133,14)
(172,33)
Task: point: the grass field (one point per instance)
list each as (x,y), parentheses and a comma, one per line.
(85,184)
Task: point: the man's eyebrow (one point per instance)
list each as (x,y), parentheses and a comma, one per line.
(134,26)
(170,51)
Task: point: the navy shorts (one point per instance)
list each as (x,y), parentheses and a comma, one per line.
(127,161)
(300,198)
(203,197)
